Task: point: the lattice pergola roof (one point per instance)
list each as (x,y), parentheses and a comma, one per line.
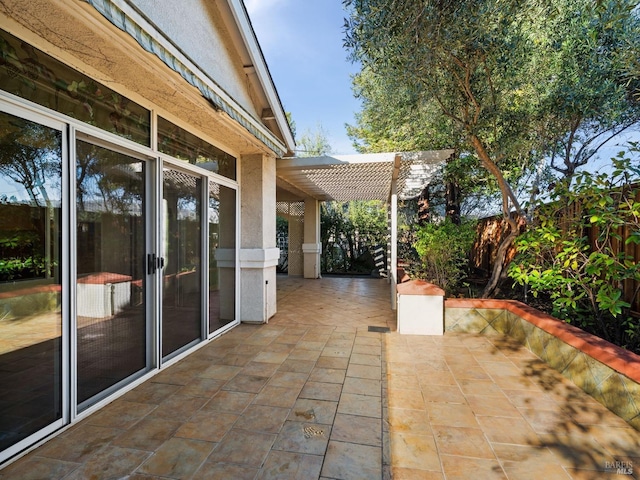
(359,177)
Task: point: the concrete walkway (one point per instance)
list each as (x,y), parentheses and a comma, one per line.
(319,392)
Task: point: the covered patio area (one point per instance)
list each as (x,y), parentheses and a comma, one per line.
(323,391)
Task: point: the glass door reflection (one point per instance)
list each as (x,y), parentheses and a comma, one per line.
(110,306)
(182,257)
(30,280)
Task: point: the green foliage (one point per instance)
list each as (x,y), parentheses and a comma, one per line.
(314,144)
(591,282)
(443,249)
(349,230)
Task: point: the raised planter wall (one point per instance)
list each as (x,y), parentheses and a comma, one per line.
(605,371)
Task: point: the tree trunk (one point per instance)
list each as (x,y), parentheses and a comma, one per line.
(424,206)
(508,199)
(452,207)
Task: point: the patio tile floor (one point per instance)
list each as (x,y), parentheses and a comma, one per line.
(315,394)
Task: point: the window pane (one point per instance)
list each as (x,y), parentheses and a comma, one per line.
(30,283)
(182,252)
(181,144)
(111,268)
(222,250)
(32,74)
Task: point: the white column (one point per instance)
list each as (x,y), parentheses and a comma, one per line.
(393,264)
(258,252)
(311,246)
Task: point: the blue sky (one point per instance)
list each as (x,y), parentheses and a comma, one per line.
(302,44)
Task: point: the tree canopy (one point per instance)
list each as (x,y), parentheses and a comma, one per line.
(511,82)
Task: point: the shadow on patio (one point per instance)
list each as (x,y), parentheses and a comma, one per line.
(317,394)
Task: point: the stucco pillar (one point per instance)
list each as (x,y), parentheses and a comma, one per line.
(393,264)
(258,252)
(311,246)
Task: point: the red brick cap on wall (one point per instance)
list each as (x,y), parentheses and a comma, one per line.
(419,287)
(617,358)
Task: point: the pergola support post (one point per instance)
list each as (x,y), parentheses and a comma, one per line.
(311,246)
(393,264)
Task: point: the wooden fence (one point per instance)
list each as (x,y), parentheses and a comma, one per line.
(491,230)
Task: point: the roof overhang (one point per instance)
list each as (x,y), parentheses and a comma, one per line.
(359,177)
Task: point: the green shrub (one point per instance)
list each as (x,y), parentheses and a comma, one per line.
(444,249)
(592,282)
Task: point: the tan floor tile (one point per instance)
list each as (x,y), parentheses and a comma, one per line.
(462,371)
(546,421)
(297,366)
(208,426)
(243,448)
(409,382)
(327,375)
(262,418)
(321,391)
(350,461)
(294,466)
(399,473)
(177,458)
(221,372)
(300,354)
(236,359)
(360,405)
(451,414)
(357,429)
(401,398)
(110,462)
(409,421)
(225,471)
(336,352)
(444,394)
(370,341)
(234,402)
(427,380)
(492,405)
(271,357)
(121,414)
(364,371)
(300,437)
(409,450)
(364,359)
(38,468)
(362,386)
(260,369)
(468,442)
(151,392)
(179,407)
(463,468)
(313,411)
(288,379)
(277,396)
(339,343)
(80,444)
(507,430)
(148,434)
(333,362)
(364,349)
(246,383)
(201,387)
(400,368)
(478,387)
(577,451)
(532,399)
(308,345)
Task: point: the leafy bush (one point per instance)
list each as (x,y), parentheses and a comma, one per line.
(580,252)
(444,249)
